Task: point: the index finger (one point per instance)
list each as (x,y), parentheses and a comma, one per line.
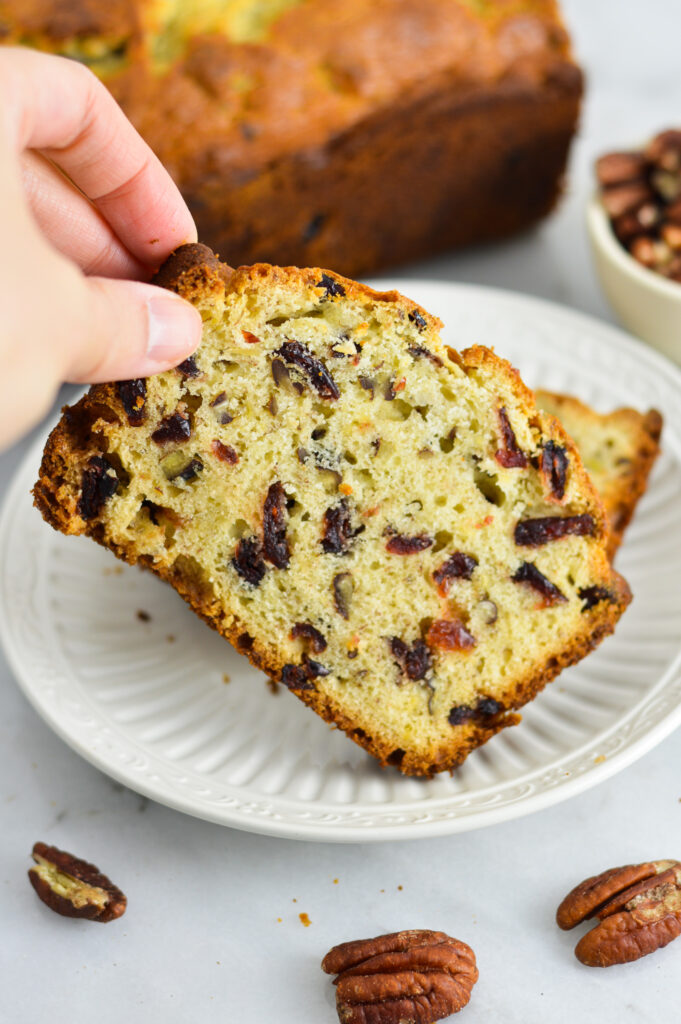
(59,107)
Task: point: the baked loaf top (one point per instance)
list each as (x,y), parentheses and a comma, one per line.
(618,449)
(229,84)
(386,526)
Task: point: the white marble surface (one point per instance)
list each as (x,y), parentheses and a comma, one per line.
(202,940)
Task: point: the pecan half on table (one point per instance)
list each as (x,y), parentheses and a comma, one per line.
(72,887)
(638,907)
(409,977)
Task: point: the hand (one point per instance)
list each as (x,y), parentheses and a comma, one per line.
(81,194)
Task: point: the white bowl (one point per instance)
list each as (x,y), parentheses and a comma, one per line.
(646,303)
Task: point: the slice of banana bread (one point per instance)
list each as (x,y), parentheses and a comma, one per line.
(618,449)
(386,526)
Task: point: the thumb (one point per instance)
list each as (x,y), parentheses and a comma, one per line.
(127,329)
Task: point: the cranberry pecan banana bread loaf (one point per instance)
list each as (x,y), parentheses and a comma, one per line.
(351,134)
(386,526)
(618,449)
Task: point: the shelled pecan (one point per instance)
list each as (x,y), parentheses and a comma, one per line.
(638,907)
(641,192)
(72,887)
(408,977)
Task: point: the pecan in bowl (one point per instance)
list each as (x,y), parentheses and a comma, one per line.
(638,907)
(72,887)
(408,977)
(641,193)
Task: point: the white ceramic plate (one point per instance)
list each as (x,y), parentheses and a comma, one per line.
(147,703)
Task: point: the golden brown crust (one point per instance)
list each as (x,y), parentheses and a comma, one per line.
(54,22)
(335,203)
(328,137)
(306,277)
(193,269)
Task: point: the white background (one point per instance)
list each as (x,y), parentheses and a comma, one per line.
(201,941)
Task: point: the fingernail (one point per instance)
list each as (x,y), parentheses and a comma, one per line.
(174,330)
